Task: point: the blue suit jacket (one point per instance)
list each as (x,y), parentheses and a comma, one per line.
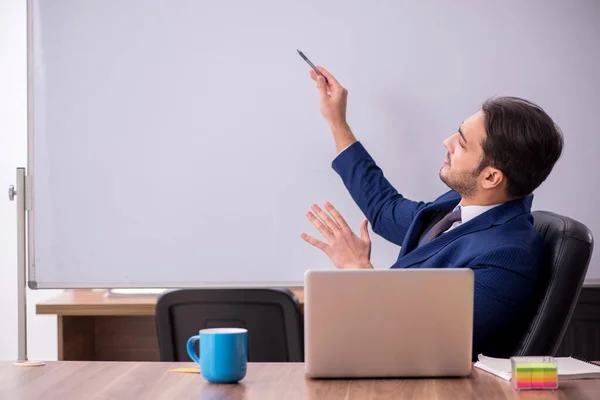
(501,245)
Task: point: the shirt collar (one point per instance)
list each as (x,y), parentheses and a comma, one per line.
(467,213)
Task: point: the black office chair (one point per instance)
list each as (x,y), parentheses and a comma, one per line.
(568,246)
(272,317)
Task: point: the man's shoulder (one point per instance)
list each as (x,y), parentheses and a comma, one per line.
(516,243)
(517,231)
(515,238)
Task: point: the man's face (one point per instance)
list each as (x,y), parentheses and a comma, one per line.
(461,167)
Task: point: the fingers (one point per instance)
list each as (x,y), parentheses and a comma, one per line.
(323,88)
(311,240)
(325,218)
(313,75)
(364,230)
(321,227)
(337,216)
(330,78)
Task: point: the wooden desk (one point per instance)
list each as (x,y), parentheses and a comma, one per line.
(92,327)
(133,380)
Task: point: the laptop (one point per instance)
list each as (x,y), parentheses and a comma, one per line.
(388,323)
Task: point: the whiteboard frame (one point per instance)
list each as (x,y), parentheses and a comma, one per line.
(30,201)
(30,214)
(30,207)
(32,282)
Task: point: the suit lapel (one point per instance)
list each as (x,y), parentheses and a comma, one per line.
(421,222)
(495,216)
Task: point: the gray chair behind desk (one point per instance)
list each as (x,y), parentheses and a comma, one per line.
(568,246)
(272,317)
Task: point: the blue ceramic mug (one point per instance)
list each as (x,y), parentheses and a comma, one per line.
(223,354)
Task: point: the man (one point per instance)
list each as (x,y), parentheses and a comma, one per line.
(498,157)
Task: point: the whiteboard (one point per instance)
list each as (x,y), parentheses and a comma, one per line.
(180,143)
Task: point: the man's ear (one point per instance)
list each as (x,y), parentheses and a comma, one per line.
(492,177)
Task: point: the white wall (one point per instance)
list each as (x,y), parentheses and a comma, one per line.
(42,343)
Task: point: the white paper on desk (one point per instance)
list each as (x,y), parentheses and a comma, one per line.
(568,368)
(497,366)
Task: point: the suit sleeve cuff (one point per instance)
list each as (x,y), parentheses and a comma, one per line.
(350,155)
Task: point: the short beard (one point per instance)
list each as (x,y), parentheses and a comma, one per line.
(465,185)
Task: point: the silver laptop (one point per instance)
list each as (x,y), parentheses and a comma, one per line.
(388,323)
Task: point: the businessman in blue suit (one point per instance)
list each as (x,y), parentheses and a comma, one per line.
(494,162)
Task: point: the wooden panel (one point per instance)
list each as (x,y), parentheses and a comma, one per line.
(94,302)
(126,338)
(582,338)
(94,327)
(76,338)
(60,337)
(88,302)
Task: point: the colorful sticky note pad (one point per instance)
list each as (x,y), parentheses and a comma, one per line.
(534,373)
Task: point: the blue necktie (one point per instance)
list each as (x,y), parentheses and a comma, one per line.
(441,226)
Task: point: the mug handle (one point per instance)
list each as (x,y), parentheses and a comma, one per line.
(190,348)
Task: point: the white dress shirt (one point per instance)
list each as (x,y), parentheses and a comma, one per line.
(467,213)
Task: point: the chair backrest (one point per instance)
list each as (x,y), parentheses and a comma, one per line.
(568,246)
(272,317)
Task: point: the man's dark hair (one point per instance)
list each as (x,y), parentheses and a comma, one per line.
(522,141)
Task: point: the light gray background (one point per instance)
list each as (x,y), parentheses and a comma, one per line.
(180,143)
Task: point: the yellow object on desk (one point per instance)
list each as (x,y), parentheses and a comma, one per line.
(186,370)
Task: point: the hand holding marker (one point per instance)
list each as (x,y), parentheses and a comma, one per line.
(311,64)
